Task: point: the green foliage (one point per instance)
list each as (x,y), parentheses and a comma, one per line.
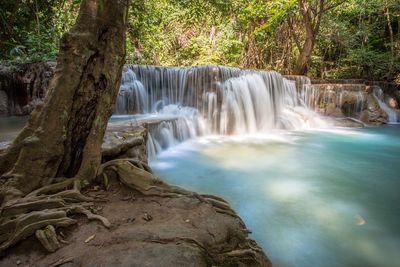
(355,41)
(30,29)
(354,38)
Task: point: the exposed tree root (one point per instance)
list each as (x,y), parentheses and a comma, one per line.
(138,176)
(91,216)
(52,188)
(49,207)
(48,238)
(39,213)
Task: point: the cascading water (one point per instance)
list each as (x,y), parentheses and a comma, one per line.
(309,210)
(347,100)
(132,97)
(180,124)
(392,115)
(211,100)
(247,105)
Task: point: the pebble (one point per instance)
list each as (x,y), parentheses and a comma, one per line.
(147,217)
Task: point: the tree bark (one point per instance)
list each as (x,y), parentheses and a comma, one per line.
(311,19)
(389,24)
(311,14)
(304,58)
(63,136)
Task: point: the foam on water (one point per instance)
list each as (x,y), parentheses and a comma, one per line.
(208,100)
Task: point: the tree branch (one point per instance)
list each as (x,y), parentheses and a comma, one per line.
(332,6)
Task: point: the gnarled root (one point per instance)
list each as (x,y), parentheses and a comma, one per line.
(25,225)
(48,238)
(43,210)
(139,176)
(40,213)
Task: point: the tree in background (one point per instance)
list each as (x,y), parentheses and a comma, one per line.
(31,29)
(355,41)
(311,13)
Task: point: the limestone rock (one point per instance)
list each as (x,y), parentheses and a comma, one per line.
(373,114)
(25,85)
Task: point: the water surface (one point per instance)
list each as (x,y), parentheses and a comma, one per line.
(322,198)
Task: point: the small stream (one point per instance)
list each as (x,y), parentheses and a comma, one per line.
(316,198)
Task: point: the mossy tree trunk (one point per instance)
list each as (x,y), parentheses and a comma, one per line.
(63,136)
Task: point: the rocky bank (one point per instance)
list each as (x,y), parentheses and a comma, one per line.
(146,229)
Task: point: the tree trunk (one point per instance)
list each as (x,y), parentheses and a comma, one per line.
(311,19)
(389,24)
(63,136)
(304,58)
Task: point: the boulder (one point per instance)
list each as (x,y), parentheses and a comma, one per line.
(373,114)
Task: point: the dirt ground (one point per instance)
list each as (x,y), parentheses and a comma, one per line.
(146,231)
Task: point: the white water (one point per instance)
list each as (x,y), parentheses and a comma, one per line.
(211,100)
(350,102)
(392,115)
(311,199)
(132,97)
(183,123)
(217,100)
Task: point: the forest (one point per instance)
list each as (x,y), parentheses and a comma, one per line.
(326,39)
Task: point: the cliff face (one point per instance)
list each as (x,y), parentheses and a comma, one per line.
(23,86)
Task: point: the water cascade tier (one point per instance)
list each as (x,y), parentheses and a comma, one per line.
(356,99)
(380,97)
(214,100)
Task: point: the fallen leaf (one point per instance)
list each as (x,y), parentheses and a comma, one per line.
(90,238)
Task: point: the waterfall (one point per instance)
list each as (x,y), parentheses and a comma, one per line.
(334,99)
(212,111)
(132,96)
(308,96)
(179,124)
(380,97)
(247,105)
(211,100)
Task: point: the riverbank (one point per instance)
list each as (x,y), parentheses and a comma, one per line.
(146,230)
